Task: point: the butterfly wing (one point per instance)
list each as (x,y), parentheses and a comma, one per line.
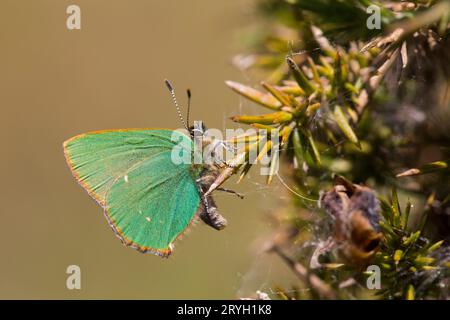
(149,200)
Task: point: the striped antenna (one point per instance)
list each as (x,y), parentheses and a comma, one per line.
(174,98)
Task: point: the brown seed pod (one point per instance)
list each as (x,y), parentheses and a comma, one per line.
(356,214)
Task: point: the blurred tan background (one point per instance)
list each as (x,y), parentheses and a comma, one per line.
(55,83)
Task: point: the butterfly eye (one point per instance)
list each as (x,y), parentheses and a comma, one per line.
(198,129)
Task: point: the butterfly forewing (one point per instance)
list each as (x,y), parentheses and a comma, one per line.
(148,199)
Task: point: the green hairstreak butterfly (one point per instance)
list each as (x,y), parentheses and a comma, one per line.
(147,198)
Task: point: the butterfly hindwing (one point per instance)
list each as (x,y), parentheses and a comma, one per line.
(148,199)
(152,204)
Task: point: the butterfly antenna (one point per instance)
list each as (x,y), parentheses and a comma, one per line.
(189,95)
(174,98)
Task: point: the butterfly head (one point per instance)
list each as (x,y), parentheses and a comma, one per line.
(198,129)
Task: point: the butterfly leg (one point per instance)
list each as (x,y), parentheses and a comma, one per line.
(229,165)
(218,155)
(230,191)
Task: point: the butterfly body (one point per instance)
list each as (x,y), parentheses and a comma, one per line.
(149,200)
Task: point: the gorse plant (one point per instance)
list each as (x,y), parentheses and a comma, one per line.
(359,112)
